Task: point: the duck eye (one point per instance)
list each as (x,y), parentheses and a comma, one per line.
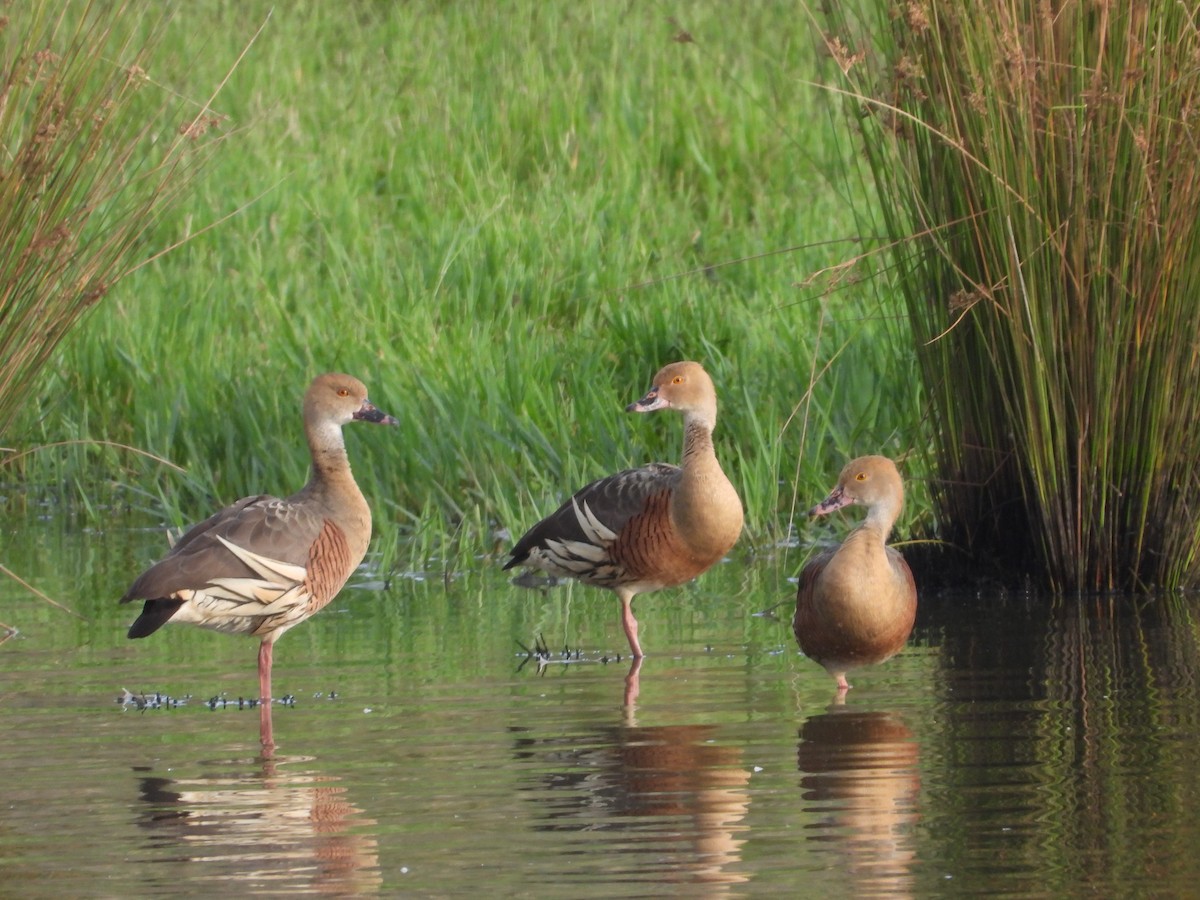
(861,476)
(343,392)
(678,379)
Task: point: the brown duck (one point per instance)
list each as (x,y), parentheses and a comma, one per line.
(264,564)
(647,528)
(857,602)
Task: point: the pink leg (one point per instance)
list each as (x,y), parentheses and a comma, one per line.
(265,730)
(842,684)
(629,623)
(632,686)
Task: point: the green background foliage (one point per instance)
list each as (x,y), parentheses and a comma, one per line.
(504,218)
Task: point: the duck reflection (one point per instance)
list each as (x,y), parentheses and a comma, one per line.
(270,829)
(859,773)
(668,797)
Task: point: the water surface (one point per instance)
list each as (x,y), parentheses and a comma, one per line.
(1017,746)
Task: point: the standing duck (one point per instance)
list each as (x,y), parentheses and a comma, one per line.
(647,528)
(262,565)
(856,603)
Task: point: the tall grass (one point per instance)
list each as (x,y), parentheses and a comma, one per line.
(504,218)
(1038,165)
(92,154)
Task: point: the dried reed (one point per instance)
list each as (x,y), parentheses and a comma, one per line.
(1042,161)
(92,154)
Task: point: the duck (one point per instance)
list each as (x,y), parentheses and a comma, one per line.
(656,526)
(263,565)
(856,603)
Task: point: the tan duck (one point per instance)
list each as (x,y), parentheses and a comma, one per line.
(264,564)
(857,602)
(648,528)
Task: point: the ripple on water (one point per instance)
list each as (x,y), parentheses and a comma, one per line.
(1020,748)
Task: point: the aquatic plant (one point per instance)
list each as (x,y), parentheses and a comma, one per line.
(1038,166)
(92,154)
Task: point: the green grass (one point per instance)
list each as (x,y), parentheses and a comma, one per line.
(504,218)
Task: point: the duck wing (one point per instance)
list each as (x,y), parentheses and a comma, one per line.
(596,513)
(259,537)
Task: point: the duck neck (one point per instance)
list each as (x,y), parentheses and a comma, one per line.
(880,518)
(703,480)
(698,425)
(705,510)
(330,463)
(697,442)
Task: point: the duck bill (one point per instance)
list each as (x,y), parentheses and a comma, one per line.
(836,500)
(369,412)
(649,403)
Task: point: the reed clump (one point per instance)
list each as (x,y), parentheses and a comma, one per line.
(92,153)
(1039,166)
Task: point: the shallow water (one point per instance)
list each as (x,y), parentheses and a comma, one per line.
(1016,747)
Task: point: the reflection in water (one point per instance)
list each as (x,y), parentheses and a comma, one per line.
(268,832)
(667,799)
(1067,718)
(1099,655)
(859,773)
(1059,754)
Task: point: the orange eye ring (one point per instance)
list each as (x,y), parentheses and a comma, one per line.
(343,392)
(861,476)
(678,379)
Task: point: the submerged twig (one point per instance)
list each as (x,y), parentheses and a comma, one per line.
(29,587)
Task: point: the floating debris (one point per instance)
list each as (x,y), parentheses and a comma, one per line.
(222,702)
(542,656)
(159,700)
(531,579)
(155,700)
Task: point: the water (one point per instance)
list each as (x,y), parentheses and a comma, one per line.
(1016,748)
